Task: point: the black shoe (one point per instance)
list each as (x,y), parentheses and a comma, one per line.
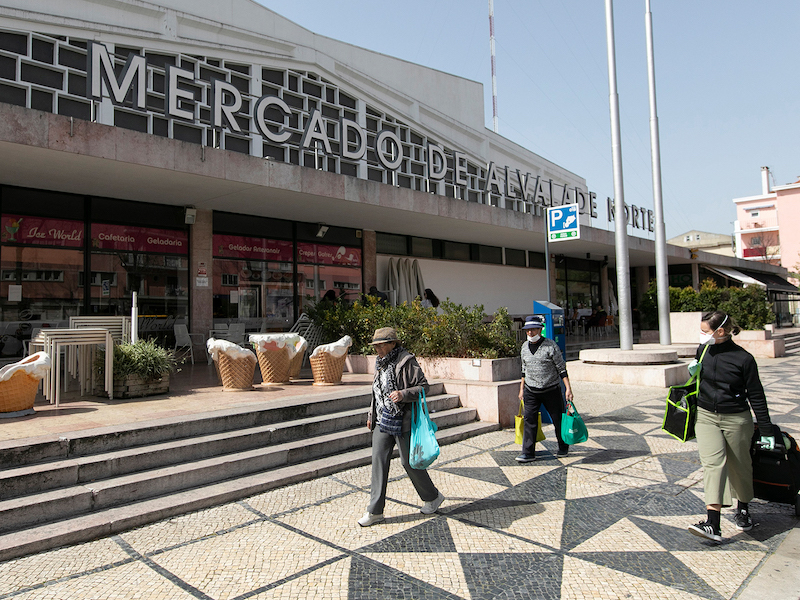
(706,530)
(562,452)
(742,520)
(525,458)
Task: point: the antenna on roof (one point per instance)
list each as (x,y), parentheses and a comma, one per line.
(494,73)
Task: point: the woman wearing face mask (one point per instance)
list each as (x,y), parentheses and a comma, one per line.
(724,429)
(543,368)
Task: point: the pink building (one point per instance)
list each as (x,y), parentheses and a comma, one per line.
(766,228)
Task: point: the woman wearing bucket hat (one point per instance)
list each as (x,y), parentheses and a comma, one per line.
(398,382)
(543,369)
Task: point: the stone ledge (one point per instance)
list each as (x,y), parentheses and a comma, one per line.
(647,375)
(472,369)
(637,356)
(494,401)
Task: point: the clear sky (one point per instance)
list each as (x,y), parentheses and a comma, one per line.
(728,96)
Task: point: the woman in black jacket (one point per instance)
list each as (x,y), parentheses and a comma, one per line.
(729,388)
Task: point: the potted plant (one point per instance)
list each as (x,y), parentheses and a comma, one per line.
(140,369)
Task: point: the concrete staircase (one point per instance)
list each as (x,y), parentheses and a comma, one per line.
(791,340)
(58,491)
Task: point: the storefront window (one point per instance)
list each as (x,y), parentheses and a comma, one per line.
(326,268)
(41,272)
(254,282)
(154,263)
(578,284)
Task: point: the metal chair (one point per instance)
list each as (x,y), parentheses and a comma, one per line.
(311,333)
(236,333)
(184,339)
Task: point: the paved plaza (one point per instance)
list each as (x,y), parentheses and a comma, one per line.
(609,521)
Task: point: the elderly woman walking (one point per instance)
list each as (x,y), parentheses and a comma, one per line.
(398,382)
(543,370)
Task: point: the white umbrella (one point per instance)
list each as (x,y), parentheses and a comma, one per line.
(391,280)
(418,287)
(403,281)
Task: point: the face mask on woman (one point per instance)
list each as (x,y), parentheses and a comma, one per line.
(534,338)
(707,338)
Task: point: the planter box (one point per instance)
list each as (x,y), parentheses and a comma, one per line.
(135,386)
(470,369)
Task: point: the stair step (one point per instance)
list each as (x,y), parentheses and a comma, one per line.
(105,493)
(61,473)
(107,439)
(120,518)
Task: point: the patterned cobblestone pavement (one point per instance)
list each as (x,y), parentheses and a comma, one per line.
(609,521)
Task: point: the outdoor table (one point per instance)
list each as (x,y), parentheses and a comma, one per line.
(79,351)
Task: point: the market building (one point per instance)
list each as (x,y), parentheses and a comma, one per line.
(226,164)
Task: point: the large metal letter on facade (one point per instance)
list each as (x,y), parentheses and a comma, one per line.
(391,160)
(437,162)
(174,77)
(261,123)
(218,108)
(100,68)
(345,127)
(315,132)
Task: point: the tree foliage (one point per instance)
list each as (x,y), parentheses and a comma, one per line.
(749,307)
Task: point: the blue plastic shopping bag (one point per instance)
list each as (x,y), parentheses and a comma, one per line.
(424,449)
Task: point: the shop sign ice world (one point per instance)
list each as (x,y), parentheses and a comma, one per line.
(226,100)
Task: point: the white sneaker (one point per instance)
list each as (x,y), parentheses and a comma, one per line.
(431,507)
(369,519)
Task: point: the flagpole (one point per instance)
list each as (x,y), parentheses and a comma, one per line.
(662,270)
(621,223)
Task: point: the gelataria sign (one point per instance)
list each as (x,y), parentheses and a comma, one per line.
(226,100)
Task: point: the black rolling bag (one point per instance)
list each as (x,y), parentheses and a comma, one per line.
(776,473)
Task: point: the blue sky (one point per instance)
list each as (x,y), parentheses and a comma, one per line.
(728,97)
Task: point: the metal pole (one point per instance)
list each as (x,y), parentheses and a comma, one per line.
(621,237)
(662,271)
(547,256)
(494,73)
(134,318)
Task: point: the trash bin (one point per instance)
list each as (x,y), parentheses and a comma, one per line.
(327,361)
(235,365)
(19,382)
(296,363)
(275,352)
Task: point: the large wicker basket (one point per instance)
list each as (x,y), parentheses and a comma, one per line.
(327,369)
(274,366)
(295,364)
(18,393)
(236,373)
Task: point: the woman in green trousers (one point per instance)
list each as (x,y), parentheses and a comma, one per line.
(729,389)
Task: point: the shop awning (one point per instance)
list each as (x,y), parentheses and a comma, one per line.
(775,283)
(729,273)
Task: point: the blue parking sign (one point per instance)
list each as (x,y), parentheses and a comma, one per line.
(563,223)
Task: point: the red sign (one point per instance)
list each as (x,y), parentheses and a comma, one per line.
(328,255)
(139,239)
(44,232)
(234,246)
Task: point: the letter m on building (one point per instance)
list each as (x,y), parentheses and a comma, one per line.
(100,68)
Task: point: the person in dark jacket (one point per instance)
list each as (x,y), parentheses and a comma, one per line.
(729,388)
(398,382)
(543,370)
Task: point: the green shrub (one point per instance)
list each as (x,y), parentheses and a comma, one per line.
(144,358)
(749,307)
(455,331)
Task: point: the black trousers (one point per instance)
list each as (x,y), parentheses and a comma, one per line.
(533,400)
